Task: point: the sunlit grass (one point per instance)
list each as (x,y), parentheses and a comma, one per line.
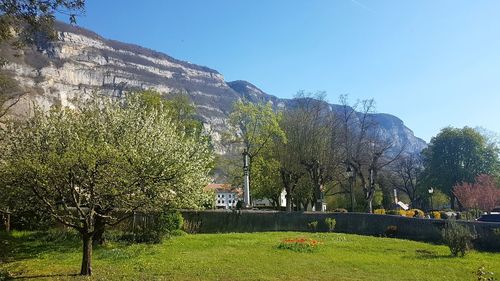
(248,256)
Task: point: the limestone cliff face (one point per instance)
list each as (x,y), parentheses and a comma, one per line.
(82,62)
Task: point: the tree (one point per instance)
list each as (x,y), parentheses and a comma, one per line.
(366,151)
(24,22)
(98,164)
(266,179)
(483,194)
(458,155)
(255,127)
(405,176)
(316,135)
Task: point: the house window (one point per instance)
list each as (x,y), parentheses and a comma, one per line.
(222,195)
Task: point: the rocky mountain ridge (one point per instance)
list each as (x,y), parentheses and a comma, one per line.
(82,62)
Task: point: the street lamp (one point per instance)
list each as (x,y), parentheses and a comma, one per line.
(350,174)
(246,179)
(431,192)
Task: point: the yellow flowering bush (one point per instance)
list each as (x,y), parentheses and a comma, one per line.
(415,213)
(379,211)
(435,215)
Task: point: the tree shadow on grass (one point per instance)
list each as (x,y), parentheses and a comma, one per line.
(428,254)
(32,245)
(43,276)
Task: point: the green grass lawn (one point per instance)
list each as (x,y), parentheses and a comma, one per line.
(249,256)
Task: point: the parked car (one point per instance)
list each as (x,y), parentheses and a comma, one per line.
(495,210)
(489,218)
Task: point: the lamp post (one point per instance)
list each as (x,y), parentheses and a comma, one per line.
(350,174)
(431,192)
(246,179)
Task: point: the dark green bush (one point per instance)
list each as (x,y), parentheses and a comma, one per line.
(312,226)
(166,223)
(391,231)
(469,215)
(458,238)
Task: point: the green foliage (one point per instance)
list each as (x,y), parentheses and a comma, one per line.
(379,211)
(330,223)
(256,126)
(458,155)
(169,221)
(340,210)
(155,228)
(458,238)
(439,199)
(313,226)
(266,181)
(470,214)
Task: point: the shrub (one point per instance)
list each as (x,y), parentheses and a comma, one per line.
(470,214)
(391,231)
(482,274)
(415,213)
(167,223)
(330,223)
(435,215)
(313,225)
(340,210)
(396,212)
(299,244)
(5,275)
(458,238)
(379,211)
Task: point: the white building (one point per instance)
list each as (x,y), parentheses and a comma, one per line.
(226,197)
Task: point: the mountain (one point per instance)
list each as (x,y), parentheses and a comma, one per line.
(82,62)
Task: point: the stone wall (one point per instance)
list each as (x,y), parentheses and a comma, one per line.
(428,230)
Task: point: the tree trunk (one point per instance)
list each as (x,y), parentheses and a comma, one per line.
(452,200)
(87,255)
(351,193)
(288,197)
(7,222)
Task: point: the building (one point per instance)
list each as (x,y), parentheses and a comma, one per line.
(226,197)
(265,202)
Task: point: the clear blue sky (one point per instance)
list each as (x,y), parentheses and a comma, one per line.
(433,63)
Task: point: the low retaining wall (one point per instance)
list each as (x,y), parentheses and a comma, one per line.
(428,230)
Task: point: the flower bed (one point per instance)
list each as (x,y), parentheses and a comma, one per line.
(299,244)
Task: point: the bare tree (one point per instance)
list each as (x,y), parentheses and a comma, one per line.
(365,151)
(405,176)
